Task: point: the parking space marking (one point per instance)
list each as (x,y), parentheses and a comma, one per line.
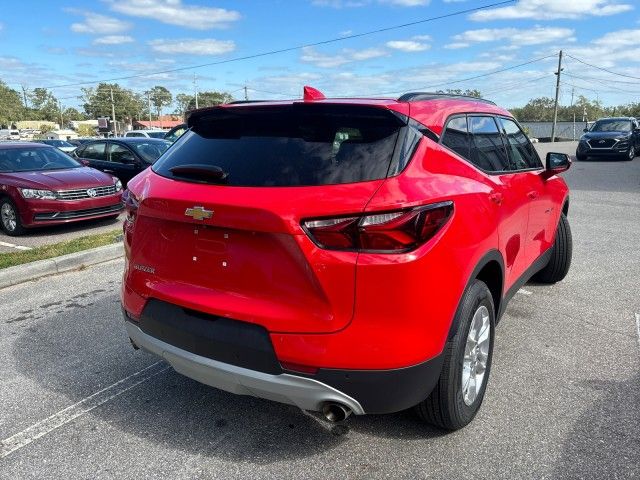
(638,326)
(57,420)
(524,292)
(17,247)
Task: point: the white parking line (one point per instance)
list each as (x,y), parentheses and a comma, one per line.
(638,326)
(17,247)
(524,292)
(40,429)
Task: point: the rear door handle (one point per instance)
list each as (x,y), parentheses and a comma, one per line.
(496,198)
(532,195)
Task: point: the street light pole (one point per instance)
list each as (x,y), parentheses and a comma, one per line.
(195,87)
(555,106)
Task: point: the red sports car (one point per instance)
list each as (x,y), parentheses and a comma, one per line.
(40,185)
(342,255)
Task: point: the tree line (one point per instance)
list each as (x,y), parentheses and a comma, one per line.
(42,104)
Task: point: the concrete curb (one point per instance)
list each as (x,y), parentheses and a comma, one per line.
(64,263)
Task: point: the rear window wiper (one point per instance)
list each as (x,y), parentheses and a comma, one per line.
(201,173)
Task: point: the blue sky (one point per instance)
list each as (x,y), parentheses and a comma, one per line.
(47,43)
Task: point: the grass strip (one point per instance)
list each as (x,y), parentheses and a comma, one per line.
(55,250)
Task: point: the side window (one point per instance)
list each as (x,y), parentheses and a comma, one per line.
(521,152)
(487,148)
(120,154)
(456,136)
(95,151)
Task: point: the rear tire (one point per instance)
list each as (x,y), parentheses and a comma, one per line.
(561,252)
(10,218)
(450,405)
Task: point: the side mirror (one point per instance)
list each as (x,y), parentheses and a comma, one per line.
(556,163)
(84,162)
(585,130)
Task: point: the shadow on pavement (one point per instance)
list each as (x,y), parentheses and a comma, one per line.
(170,409)
(605,441)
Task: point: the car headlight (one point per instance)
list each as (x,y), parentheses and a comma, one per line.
(117,183)
(39,194)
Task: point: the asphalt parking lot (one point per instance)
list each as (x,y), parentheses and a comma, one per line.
(563,400)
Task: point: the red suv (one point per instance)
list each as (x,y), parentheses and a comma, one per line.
(342,255)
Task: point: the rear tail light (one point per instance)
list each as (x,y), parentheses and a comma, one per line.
(387,232)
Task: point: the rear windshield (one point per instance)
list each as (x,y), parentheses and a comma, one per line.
(293,145)
(156,134)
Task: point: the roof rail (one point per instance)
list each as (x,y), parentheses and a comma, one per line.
(419,96)
(239,102)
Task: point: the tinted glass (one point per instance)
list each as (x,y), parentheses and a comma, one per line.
(95,151)
(290,145)
(57,143)
(156,134)
(612,126)
(487,149)
(175,134)
(120,154)
(521,152)
(150,151)
(32,159)
(456,136)
(134,134)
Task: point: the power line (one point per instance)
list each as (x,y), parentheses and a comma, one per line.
(603,69)
(290,49)
(475,77)
(520,84)
(603,82)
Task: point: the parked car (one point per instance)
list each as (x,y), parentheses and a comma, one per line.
(122,157)
(9,134)
(342,255)
(40,185)
(176,132)
(145,133)
(63,145)
(610,137)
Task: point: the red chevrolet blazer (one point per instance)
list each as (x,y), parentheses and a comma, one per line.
(342,255)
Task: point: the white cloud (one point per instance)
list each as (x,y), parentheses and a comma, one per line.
(97,24)
(408,3)
(174,12)
(614,49)
(113,40)
(517,37)
(363,3)
(323,60)
(553,9)
(190,46)
(408,45)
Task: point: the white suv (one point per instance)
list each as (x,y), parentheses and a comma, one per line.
(146,133)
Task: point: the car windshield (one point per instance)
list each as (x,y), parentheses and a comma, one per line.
(58,143)
(160,134)
(34,159)
(611,126)
(151,151)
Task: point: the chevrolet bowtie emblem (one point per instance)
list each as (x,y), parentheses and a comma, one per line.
(198,213)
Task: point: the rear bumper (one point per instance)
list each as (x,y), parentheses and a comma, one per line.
(305,393)
(239,357)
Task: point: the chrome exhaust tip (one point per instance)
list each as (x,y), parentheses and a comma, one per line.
(335,412)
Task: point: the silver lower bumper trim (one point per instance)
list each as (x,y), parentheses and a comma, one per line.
(305,393)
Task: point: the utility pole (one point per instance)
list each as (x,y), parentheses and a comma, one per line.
(574,113)
(61,119)
(246,94)
(24,95)
(195,88)
(555,106)
(149,100)
(113,114)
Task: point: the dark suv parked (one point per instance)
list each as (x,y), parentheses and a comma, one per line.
(614,137)
(122,157)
